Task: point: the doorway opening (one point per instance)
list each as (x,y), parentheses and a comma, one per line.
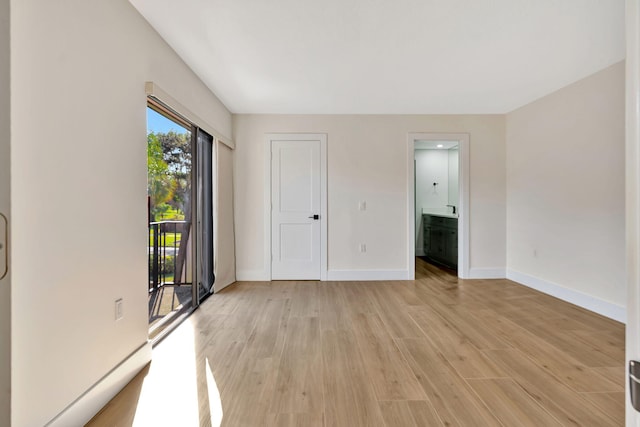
(436,202)
(169,191)
(180,219)
(438,185)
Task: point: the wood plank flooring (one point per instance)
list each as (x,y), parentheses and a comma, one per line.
(437,351)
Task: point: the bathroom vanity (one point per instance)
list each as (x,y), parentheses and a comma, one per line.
(441,239)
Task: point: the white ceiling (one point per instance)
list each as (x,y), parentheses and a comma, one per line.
(389,57)
(423,144)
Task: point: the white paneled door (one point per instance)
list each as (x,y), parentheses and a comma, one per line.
(296,209)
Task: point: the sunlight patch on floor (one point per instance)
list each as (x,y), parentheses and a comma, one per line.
(215,403)
(169,395)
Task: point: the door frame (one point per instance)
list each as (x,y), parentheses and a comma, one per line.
(632,223)
(463,198)
(269,137)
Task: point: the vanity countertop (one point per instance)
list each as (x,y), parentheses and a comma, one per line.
(443,215)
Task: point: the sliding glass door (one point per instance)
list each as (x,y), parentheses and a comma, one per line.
(206,276)
(169,208)
(180,211)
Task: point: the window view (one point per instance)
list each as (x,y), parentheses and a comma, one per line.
(169,166)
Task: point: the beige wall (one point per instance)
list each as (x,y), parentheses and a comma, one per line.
(5,284)
(565,192)
(367,160)
(79,190)
(225,263)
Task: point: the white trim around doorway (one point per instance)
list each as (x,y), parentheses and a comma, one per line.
(322,137)
(632,157)
(463,199)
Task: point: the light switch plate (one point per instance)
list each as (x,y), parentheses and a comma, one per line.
(119,309)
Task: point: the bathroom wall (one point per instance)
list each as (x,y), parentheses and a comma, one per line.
(434,166)
(454,155)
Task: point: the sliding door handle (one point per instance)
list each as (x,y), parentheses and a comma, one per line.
(315,217)
(4,246)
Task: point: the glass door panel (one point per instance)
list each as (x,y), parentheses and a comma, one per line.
(206,275)
(169,203)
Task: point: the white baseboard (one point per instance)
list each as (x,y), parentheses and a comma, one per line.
(368,275)
(252,276)
(218,286)
(604,308)
(419,252)
(487,273)
(97,396)
(373,275)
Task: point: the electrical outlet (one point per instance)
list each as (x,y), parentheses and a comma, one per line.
(362,205)
(119,309)
(363,247)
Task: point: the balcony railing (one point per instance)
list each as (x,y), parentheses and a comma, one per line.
(167,253)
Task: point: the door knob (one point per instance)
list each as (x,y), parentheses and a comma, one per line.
(315,217)
(634,384)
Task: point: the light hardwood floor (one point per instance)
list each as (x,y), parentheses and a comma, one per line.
(430,352)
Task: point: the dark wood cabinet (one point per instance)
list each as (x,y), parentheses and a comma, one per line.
(441,239)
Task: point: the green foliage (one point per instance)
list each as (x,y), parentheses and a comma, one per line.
(169,166)
(155,158)
(160,183)
(167,267)
(176,148)
(167,212)
(168,240)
